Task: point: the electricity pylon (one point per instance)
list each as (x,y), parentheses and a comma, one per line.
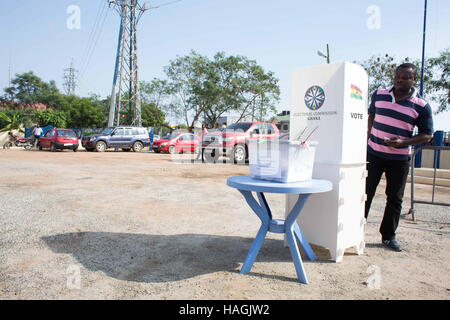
(125,97)
(70,80)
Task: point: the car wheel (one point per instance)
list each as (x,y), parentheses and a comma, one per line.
(239,154)
(138,146)
(52,147)
(75,149)
(39,147)
(172,150)
(100,146)
(211,155)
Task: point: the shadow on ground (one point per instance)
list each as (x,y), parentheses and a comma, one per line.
(161,258)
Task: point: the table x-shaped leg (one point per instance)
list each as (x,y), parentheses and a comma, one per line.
(289,227)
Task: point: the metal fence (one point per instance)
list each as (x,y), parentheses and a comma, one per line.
(436,149)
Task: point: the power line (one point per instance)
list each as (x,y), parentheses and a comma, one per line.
(164,4)
(99,33)
(93,30)
(94,37)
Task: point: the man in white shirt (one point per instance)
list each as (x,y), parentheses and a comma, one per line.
(37,134)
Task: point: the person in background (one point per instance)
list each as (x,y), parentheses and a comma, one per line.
(37,132)
(204,130)
(393,114)
(202,137)
(224,126)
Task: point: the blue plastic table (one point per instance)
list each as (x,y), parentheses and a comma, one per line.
(245,185)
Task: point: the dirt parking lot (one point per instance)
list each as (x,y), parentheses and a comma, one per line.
(119,225)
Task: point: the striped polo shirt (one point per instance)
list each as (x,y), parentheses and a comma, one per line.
(397,119)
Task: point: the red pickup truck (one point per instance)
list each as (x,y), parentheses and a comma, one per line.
(232,142)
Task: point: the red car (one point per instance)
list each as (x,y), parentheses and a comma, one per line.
(233,141)
(177,142)
(59,139)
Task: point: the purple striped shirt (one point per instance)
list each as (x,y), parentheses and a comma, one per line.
(397,119)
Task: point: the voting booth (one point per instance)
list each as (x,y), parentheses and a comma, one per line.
(332,99)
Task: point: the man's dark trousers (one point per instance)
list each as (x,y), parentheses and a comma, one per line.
(396,173)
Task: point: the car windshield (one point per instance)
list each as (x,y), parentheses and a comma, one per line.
(171,136)
(241,126)
(66,133)
(108,130)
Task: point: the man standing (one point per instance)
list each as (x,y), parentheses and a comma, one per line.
(37,134)
(393,114)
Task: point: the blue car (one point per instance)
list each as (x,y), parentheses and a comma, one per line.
(122,137)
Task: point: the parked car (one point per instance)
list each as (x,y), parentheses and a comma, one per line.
(123,137)
(284,136)
(177,142)
(233,141)
(59,139)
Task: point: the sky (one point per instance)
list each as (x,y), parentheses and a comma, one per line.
(44,36)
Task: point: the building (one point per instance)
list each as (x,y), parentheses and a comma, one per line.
(282,121)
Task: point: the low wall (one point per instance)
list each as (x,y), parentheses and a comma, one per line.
(428,156)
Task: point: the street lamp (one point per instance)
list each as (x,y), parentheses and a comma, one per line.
(321,54)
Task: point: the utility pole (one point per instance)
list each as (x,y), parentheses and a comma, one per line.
(9,71)
(423,47)
(125,95)
(70,79)
(9,76)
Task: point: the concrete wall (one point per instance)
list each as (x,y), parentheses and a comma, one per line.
(428,156)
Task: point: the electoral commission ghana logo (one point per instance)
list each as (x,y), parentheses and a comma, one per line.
(314,97)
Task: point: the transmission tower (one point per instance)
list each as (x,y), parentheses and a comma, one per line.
(70,79)
(125,97)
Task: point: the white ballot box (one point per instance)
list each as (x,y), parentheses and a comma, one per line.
(281,160)
(332,99)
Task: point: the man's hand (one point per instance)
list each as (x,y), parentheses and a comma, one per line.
(415,140)
(395,142)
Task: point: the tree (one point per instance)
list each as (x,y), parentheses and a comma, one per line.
(154,103)
(82,112)
(437,80)
(240,86)
(206,88)
(381,71)
(51,117)
(28,89)
(186,79)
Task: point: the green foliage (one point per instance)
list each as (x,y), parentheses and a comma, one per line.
(201,87)
(151,116)
(28,88)
(51,117)
(437,82)
(381,71)
(82,112)
(11,119)
(63,111)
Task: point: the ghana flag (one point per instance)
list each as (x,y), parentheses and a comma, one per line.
(356,92)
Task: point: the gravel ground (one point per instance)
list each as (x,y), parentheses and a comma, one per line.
(139,226)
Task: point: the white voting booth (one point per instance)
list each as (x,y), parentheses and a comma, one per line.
(333,98)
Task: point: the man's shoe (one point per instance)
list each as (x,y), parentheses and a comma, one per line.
(393,245)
